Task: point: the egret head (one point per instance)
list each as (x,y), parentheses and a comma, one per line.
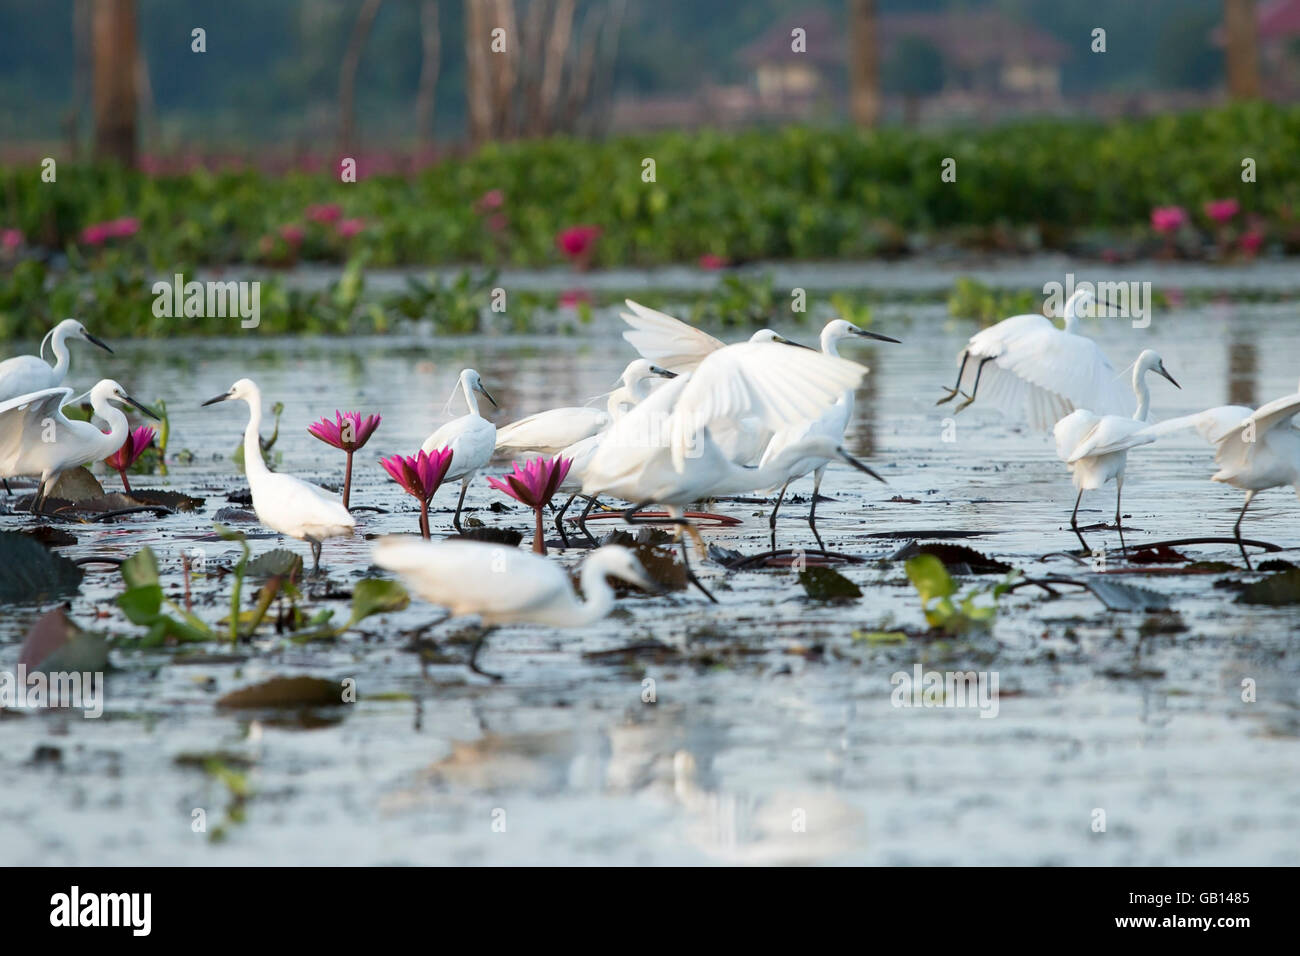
(619,562)
(473,382)
(108,390)
(837,330)
(1149,361)
(245,389)
(767,335)
(72,329)
(639,370)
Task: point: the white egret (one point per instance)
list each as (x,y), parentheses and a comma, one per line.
(284,503)
(506,585)
(833,423)
(1041,373)
(549,432)
(663,452)
(1095,447)
(471,438)
(25,374)
(37,439)
(1255,449)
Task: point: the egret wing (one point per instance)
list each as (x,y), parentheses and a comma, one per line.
(23,375)
(1237,447)
(471,439)
(23,423)
(665,341)
(1111,434)
(553,429)
(1212,424)
(293,503)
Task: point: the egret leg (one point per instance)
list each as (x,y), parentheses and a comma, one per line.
(473,654)
(771,519)
(956,388)
(42,492)
(582,520)
(812,509)
(1119,487)
(315,555)
(7,491)
(460,503)
(559,520)
(979,370)
(1236,529)
(1074,521)
(630,516)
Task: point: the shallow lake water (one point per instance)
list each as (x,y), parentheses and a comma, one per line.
(772,737)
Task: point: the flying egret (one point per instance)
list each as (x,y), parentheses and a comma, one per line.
(662,451)
(1042,373)
(284,503)
(471,438)
(1095,447)
(551,431)
(37,439)
(1255,449)
(25,374)
(833,423)
(506,585)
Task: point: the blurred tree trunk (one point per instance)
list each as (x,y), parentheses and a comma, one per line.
(502,69)
(428,86)
(864,78)
(478,89)
(1242,53)
(113,40)
(557,49)
(348,74)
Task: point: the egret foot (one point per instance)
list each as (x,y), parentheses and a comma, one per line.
(473,654)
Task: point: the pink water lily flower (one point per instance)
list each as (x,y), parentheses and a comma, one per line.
(325,212)
(533,485)
(1221,210)
(1167,219)
(292,234)
(420,476)
(492,199)
(11,238)
(711,261)
(134,446)
(349,432)
(577,242)
(350,227)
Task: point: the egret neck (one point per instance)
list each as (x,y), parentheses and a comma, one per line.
(599,596)
(254,466)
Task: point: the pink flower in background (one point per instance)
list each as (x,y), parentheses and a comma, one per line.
(577,242)
(1221,210)
(498,222)
(348,432)
(533,485)
(572,298)
(95,235)
(134,446)
(11,238)
(292,234)
(325,212)
(1251,241)
(350,227)
(420,476)
(1167,219)
(122,228)
(711,261)
(490,200)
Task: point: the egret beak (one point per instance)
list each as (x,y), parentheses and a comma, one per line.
(875,335)
(1161,370)
(860,466)
(479,388)
(212,401)
(662,372)
(94,341)
(799,345)
(144,408)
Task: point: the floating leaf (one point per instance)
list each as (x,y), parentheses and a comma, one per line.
(286,692)
(141,569)
(77,485)
(29,573)
(1124,597)
(280,562)
(827,584)
(956,558)
(1275,590)
(881,637)
(929,577)
(376,596)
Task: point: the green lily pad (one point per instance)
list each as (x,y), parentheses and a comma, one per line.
(56,643)
(30,574)
(286,692)
(1276,590)
(827,584)
(281,563)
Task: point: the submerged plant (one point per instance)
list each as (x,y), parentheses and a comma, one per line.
(934,584)
(420,476)
(136,442)
(533,485)
(349,432)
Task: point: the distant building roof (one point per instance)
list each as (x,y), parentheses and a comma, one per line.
(967,38)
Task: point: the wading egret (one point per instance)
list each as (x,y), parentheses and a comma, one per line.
(25,374)
(1095,447)
(551,431)
(506,585)
(284,503)
(37,439)
(662,452)
(833,423)
(471,438)
(1255,449)
(1041,373)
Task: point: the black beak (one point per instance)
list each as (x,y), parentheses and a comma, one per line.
(663,372)
(1162,371)
(875,335)
(799,345)
(94,341)
(220,398)
(488,396)
(860,466)
(144,408)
